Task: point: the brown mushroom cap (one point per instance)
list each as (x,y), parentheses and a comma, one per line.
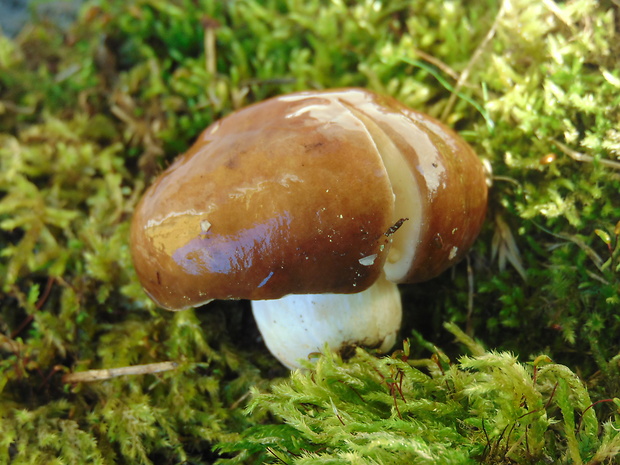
(294,195)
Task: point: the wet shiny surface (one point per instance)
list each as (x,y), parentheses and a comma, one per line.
(295,194)
(291,196)
(216,253)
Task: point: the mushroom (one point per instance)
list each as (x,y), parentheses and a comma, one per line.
(313,205)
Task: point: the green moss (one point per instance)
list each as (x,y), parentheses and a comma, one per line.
(88,116)
(485,408)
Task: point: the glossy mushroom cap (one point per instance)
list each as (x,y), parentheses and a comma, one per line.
(312,192)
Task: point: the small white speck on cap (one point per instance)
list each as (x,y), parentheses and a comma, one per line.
(368,260)
(453,252)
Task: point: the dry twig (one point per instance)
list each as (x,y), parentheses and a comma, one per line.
(100,375)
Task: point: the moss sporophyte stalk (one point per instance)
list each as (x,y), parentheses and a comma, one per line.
(92,113)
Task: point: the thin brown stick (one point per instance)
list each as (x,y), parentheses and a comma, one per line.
(469,328)
(90,376)
(438,63)
(475,57)
(38,305)
(582,157)
(210,50)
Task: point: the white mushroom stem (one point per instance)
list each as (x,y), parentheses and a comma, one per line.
(296,327)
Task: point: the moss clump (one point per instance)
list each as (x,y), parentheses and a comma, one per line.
(90,114)
(485,408)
